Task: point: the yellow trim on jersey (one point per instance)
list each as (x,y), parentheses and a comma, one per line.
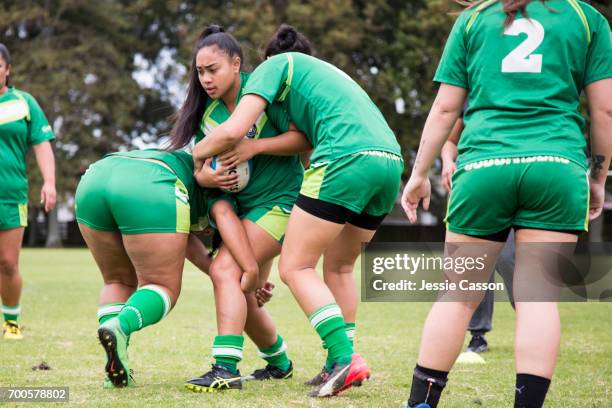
(20,96)
(479,8)
(289,79)
(583,18)
(14,110)
(260,123)
(211,108)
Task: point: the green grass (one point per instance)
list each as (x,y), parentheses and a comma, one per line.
(59,313)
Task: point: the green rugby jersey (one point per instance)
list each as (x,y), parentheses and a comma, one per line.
(181,163)
(275,179)
(525,81)
(22,124)
(338,117)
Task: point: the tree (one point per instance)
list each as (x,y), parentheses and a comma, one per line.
(77,59)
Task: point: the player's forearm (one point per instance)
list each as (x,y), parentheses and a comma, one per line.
(286,144)
(46,161)
(601,145)
(437,128)
(440,121)
(220,140)
(600,107)
(449,151)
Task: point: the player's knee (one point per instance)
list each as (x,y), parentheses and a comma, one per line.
(8,266)
(286,274)
(223,273)
(338,267)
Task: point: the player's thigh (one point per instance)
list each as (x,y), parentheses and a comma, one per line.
(110,255)
(468,259)
(307,237)
(340,256)
(158,258)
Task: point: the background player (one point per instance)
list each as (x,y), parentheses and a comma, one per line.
(22,124)
(538,185)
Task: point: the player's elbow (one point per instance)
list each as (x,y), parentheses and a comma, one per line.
(233,132)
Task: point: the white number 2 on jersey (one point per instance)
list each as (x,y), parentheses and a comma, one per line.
(521,58)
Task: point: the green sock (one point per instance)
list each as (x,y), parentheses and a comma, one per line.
(350,333)
(108,311)
(276,354)
(329,324)
(11,312)
(227,351)
(147,306)
(350,329)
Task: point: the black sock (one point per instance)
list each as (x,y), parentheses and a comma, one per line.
(530,391)
(427,386)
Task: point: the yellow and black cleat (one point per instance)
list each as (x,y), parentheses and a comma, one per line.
(270,372)
(11,330)
(217,379)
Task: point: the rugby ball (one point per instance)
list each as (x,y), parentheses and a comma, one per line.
(243,170)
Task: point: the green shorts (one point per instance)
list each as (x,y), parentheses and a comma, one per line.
(541,192)
(365,182)
(132,196)
(13,216)
(271,217)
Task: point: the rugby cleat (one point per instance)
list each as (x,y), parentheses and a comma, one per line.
(106,384)
(115,342)
(318,379)
(343,377)
(217,379)
(11,330)
(270,372)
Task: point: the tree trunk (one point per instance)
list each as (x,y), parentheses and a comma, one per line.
(54,240)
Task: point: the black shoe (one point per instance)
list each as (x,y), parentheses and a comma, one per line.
(270,373)
(478,344)
(217,379)
(318,379)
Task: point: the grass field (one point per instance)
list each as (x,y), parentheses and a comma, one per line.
(59,314)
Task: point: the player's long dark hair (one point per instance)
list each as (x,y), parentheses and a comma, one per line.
(287,39)
(511,7)
(6,56)
(188,117)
